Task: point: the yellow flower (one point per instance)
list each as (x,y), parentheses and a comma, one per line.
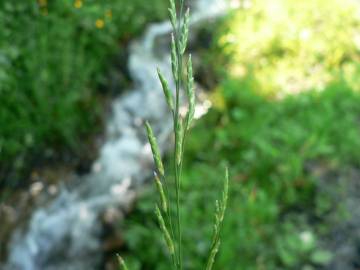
(42,3)
(108,14)
(78,4)
(99,23)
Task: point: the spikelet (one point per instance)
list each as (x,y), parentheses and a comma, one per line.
(225,196)
(212,256)
(190,93)
(220,208)
(160,189)
(174,58)
(179,131)
(165,232)
(185,32)
(172,13)
(166,90)
(155,149)
(121,262)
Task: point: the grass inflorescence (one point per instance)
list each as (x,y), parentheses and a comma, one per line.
(168,211)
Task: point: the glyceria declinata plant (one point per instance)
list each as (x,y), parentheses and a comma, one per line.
(168,210)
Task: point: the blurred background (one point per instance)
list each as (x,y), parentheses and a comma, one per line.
(281,79)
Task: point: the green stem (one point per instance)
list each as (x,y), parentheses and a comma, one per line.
(176,119)
(169,218)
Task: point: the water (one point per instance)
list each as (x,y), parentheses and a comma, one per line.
(66,233)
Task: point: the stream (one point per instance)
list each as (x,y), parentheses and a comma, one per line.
(66,232)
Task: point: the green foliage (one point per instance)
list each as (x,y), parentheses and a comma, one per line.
(267,145)
(290,46)
(53,54)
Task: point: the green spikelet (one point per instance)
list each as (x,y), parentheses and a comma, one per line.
(165,232)
(121,263)
(174,58)
(160,189)
(172,13)
(225,196)
(212,256)
(166,90)
(178,147)
(190,93)
(185,32)
(220,208)
(155,149)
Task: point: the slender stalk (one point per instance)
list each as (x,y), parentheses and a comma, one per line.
(178,137)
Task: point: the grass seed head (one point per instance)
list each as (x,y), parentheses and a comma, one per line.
(174,58)
(212,256)
(160,189)
(172,13)
(166,90)
(165,231)
(185,32)
(179,143)
(190,93)
(155,149)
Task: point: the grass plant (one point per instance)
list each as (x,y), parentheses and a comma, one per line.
(168,210)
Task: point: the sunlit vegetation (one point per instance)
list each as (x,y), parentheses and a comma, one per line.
(290,46)
(53,57)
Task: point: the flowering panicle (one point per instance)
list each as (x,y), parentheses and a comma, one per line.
(169,218)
